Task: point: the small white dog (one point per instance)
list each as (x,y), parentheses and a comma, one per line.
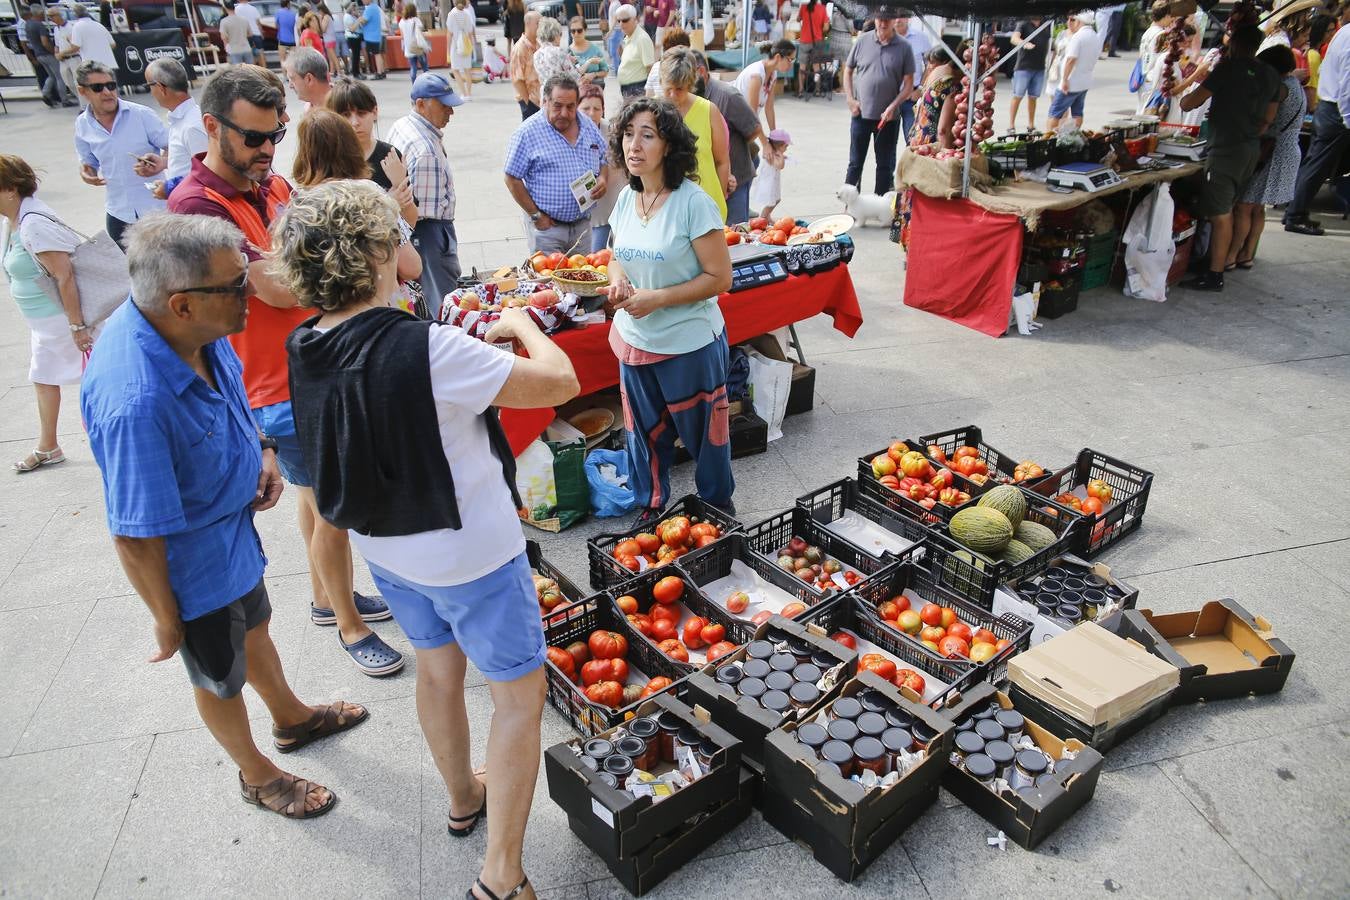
(866,206)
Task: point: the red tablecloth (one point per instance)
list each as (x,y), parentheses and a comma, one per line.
(748,314)
(962,262)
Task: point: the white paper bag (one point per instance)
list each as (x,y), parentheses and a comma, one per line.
(770,383)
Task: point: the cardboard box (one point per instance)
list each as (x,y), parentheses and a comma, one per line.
(1089,684)
(846,826)
(627,824)
(745,718)
(651,865)
(1221,650)
(1029,817)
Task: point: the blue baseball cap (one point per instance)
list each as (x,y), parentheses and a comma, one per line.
(430,86)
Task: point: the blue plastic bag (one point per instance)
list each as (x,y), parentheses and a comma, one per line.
(609,499)
(1136,81)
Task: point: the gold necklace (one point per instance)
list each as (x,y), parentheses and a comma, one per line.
(645,211)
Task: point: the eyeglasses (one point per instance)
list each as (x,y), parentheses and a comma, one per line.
(624,21)
(254,139)
(578,30)
(101,86)
(237,289)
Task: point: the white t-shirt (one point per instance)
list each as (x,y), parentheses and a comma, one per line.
(61,36)
(250,14)
(1085,46)
(413,36)
(95,41)
(466,375)
(742,83)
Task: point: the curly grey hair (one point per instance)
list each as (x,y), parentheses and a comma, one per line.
(550,31)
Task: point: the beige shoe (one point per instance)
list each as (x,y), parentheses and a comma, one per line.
(39,458)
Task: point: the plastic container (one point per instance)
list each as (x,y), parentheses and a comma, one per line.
(871,502)
(605,569)
(1002,466)
(1130,486)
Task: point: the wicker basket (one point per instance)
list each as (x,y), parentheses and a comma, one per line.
(580,288)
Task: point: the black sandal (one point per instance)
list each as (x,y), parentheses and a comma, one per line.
(478,883)
(475,817)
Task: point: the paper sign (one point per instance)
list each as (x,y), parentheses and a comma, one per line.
(582,187)
(602,812)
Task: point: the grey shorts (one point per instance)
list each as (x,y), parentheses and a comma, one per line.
(1226,177)
(213,644)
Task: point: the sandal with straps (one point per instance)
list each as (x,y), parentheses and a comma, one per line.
(474,817)
(286,796)
(39,458)
(487,891)
(332,719)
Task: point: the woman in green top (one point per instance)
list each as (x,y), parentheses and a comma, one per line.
(33,239)
(670,264)
(590,58)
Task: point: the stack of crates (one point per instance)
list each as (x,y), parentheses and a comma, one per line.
(1101,254)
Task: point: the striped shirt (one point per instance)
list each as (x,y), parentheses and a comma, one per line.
(433,185)
(539,155)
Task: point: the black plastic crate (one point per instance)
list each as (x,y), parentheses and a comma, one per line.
(714,562)
(1059,301)
(834,500)
(897,502)
(575,623)
(1129,488)
(897,578)
(1002,467)
(850,612)
(771,535)
(693,599)
(535,556)
(975,577)
(605,569)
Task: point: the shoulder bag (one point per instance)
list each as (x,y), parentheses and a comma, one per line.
(101,274)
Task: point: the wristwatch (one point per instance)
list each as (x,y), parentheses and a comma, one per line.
(267,443)
(79,327)
(536,216)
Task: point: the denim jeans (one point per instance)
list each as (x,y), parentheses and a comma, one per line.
(599,237)
(906,120)
(1330,139)
(738,204)
(417,62)
(862,132)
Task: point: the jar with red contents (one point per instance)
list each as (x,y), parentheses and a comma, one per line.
(870,754)
(670,724)
(839,754)
(648,731)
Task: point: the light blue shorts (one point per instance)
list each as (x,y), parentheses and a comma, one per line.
(1071,102)
(495,619)
(278,422)
(1028,82)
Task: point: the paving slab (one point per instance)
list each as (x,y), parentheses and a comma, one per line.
(33,644)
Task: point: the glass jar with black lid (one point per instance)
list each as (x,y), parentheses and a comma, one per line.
(670,724)
(870,753)
(812,735)
(753,688)
(756,668)
(804,695)
(1013,724)
(619,766)
(989,729)
(782,662)
(843,730)
(968,742)
(807,672)
(1028,765)
(923,733)
(648,731)
(874,702)
(597,748)
(897,741)
(1002,753)
(779,681)
(730,674)
(846,708)
(800,648)
(840,754)
(759,650)
(899,718)
(981,768)
(775,701)
(871,724)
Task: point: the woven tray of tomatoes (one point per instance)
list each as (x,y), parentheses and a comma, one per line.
(669,612)
(906,481)
(685,525)
(1108,493)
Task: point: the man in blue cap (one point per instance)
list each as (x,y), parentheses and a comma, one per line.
(418,137)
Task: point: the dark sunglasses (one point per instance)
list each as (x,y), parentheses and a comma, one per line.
(102,86)
(237,289)
(254,139)
(578,30)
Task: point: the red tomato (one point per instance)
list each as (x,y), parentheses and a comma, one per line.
(674,649)
(664,629)
(965,464)
(932,633)
(953,646)
(963,452)
(628,604)
(579,652)
(628,547)
(563,660)
(897,450)
(1092,506)
(649,543)
(761,617)
(937,453)
(931,614)
(785,224)
(719,650)
(792,610)
(948,617)
(693,632)
(908,678)
(656,685)
(704,528)
(875,662)
(983,636)
(668,590)
(663,611)
(1002,645)
(1099,489)
(704,540)
(733,238)
(607,645)
(606,693)
(642,623)
(759,223)
(713,633)
(961,630)
(738,602)
(598,670)
(843,637)
(628,562)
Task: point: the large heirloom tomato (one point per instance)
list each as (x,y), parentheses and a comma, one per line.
(606,693)
(607,645)
(875,662)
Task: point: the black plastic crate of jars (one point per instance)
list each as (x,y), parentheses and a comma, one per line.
(1002,467)
(1130,486)
(897,502)
(850,612)
(714,561)
(834,500)
(773,534)
(575,623)
(606,571)
(975,577)
(895,579)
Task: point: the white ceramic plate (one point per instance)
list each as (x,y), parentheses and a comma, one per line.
(838,224)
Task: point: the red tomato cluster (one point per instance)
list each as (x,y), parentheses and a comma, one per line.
(940,629)
(661,623)
(766,232)
(885,667)
(810,564)
(673,538)
(910,474)
(600,666)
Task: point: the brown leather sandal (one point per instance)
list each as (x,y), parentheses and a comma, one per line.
(286,796)
(331,719)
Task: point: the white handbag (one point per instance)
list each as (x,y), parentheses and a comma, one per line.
(101,274)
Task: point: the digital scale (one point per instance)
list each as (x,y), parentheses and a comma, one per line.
(1083,176)
(1194,152)
(753,265)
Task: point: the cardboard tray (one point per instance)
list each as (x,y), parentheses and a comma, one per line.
(846,826)
(651,865)
(1222,650)
(1032,816)
(626,824)
(746,719)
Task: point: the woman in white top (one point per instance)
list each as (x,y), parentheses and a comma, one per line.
(415,43)
(463,34)
(551,59)
(756,81)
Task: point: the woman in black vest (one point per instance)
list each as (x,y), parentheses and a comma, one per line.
(396,419)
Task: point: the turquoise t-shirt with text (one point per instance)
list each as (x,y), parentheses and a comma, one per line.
(658,254)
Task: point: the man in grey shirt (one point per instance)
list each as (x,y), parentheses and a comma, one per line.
(878,78)
(55,92)
(745,132)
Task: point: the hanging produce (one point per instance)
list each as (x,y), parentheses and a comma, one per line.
(976,117)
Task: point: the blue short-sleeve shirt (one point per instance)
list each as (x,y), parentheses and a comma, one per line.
(373,30)
(180,460)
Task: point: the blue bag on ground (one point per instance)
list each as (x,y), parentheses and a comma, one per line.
(607,497)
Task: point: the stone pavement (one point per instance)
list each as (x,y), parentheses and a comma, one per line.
(1237,402)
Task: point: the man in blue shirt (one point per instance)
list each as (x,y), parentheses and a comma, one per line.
(550,152)
(184,470)
(371,25)
(116,142)
(285,19)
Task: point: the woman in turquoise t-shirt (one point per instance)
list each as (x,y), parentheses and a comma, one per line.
(670,263)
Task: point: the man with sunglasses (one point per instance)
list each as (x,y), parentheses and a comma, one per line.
(117,144)
(243,109)
(184,471)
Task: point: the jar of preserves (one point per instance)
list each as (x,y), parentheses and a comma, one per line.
(646,730)
(813,735)
(608,779)
(808,673)
(775,635)
(846,708)
(619,766)
(825,660)
(1095,582)
(1093,601)
(730,675)
(870,754)
(840,754)
(989,729)
(1050,586)
(707,749)
(897,741)
(1001,752)
(843,730)
(874,702)
(597,748)
(1057,572)
(690,737)
(779,681)
(756,668)
(804,695)
(1013,724)
(899,718)
(986,713)
(775,701)
(871,724)
(968,742)
(1028,765)
(800,648)
(981,768)
(922,734)
(635,748)
(751,688)
(1074,583)
(670,725)
(1048,608)
(782,662)
(758,650)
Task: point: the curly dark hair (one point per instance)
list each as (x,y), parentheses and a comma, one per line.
(681,160)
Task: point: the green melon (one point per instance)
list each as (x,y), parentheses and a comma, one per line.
(981,528)
(1016,552)
(1034,535)
(1008,500)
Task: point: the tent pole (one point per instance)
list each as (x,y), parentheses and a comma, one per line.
(970,105)
(748,8)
